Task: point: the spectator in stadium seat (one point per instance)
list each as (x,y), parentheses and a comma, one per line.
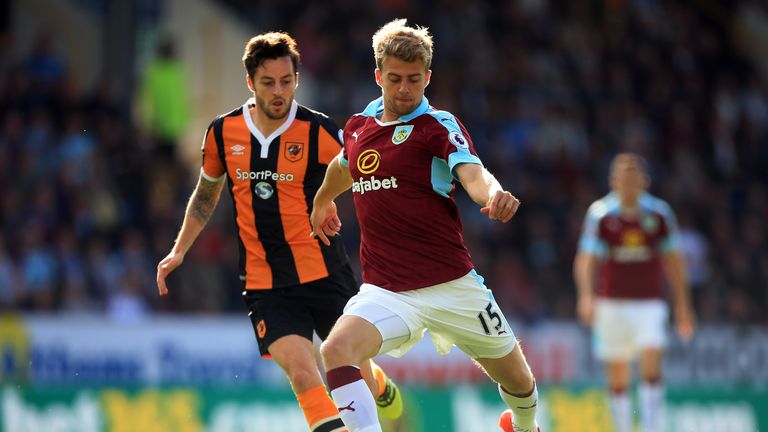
(629,242)
(38,269)
(9,279)
(401,158)
(272,153)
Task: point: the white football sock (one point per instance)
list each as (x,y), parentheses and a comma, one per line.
(651,397)
(621,406)
(357,407)
(523,409)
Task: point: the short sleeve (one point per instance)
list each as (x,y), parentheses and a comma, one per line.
(349,137)
(670,235)
(590,241)
(329,141)
(343,156)
(451,141)
(212,167)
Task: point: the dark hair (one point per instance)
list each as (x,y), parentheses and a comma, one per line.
(635,158)
(272,45)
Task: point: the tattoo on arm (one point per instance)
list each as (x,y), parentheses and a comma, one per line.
(204,200)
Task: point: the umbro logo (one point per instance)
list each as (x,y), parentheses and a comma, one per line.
(237,150)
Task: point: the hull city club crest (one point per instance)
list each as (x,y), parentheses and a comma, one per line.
(294,151)
(401,134)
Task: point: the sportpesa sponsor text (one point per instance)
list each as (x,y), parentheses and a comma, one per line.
(262,175)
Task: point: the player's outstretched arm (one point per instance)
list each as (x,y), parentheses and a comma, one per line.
(324,218)
(199,209)
(486,191)
(677,275)
(584,267)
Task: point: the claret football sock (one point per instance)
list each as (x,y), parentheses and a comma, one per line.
(353,399)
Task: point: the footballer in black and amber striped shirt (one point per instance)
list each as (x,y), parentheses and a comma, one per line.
(273,153)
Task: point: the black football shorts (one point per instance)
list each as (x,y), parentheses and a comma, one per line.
(299,309)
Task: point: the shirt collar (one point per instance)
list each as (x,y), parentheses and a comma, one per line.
(641,199)
(376,108)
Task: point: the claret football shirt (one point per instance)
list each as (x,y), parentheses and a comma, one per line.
(630,245)
(403,188)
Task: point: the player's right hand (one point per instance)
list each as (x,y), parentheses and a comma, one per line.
(501,206)
(165,267)
(685,321)
(325,221)
(585,309)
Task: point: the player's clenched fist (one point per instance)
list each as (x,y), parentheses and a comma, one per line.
(325,221)
(501,206)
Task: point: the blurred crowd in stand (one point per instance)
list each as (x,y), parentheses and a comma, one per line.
(90,200)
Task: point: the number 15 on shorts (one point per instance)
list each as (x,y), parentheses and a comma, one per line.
(490,316)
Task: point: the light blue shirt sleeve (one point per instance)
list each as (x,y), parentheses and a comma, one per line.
(344,162)
(456,139)
(671,242)
(590,241)
(459,157)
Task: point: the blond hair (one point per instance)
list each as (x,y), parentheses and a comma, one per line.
(405,43)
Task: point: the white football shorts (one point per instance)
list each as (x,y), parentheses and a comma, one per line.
(624,327)
(460,312)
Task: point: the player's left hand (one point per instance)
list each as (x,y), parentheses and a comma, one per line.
(325,221)
(332,226)
(501,206)
(685,322)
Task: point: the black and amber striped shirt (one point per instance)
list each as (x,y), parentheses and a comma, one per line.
(273,181)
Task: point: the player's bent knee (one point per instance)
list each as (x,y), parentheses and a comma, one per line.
(336,352)
(303,378)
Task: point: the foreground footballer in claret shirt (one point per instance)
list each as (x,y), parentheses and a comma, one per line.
(403,191)
(401,159)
